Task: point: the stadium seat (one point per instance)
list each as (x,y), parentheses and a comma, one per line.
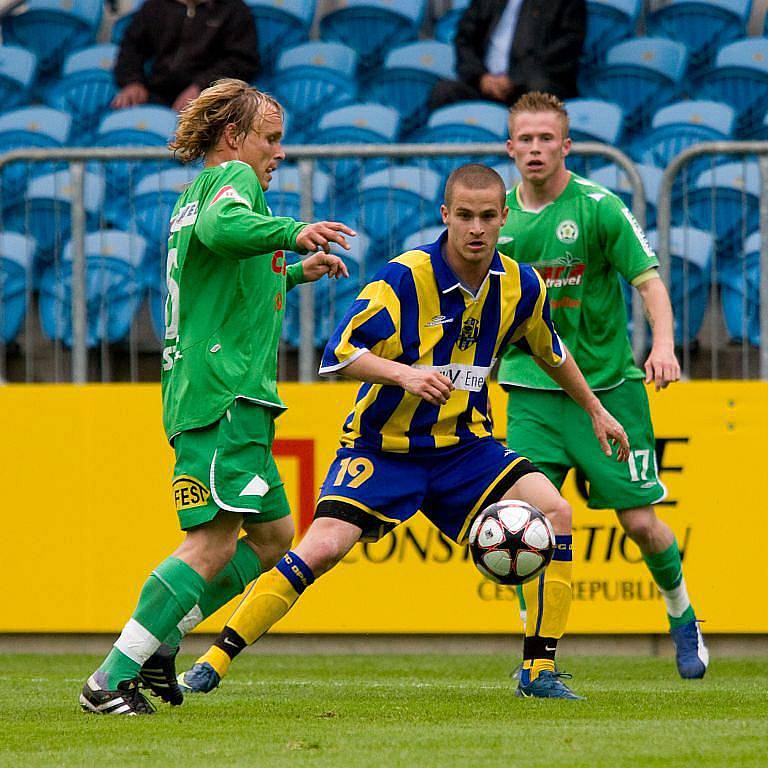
(406,193)
(16,254)
(468,121)
(153,200)
(691,251)
(681,125)
(284,193)
(408,76)
(593,120)
(702,25)
(508,172)
(114,289)
(45,211)
(740,78)
(127,9)
(313,78)
(639,75)
(615,179)
(445,29)
(85,90)
(52,28)
(372,27)
(422,237)
(144,126)
(740,293)
(608,22)
(30,128)
(356,124)
(280,24)
(18,67)
(733,189)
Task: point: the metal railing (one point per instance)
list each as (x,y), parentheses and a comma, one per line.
(669,200)
(307,157)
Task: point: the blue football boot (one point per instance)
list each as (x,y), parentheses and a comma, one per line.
(548,685)
(691,654)
(202,678)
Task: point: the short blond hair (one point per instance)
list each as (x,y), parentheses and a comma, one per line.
(203,121)
(536,101)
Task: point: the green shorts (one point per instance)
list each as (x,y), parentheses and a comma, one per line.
(229,465)
(555,434)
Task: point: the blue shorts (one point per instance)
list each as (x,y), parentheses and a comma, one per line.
(377,490)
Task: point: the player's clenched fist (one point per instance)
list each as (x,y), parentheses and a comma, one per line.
(429,385)
(320,235)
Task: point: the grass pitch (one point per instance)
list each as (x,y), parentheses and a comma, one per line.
(350,711)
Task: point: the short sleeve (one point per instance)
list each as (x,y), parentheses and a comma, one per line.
(623,240)
(371,324)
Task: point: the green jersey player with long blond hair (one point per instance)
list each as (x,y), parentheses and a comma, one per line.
(581,238)
(227,279)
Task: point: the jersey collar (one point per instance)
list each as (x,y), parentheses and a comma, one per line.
(446,279)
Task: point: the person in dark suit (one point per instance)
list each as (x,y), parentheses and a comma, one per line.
(505,48)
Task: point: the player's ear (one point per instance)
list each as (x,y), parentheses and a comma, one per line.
(567,143)
(504,214)
(230,135)
(510,150)
(444,213)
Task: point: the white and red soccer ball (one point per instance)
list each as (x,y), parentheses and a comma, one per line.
(511,542)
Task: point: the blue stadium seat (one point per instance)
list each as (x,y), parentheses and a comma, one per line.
(144,126)
(45,211)
(114,288)
(18,68)
(691,252)
(85,90)
(740,78)
(153,201)
(740,293)
(640,75)
(284,193)
(311,79)
(33,128)
(445,29)
(734,190)
(468,121)
(593,120)
(408,76)
(614,178)
(421,237)
(372,27)
(356,124)
(681,125)
(279,25)
(608,22)
(702,25)
(128,8)
(52,28)
(406,193)
(508,172)
(16,254)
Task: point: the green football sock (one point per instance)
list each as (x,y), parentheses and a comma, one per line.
(667,570)
(238,573)
(170,592)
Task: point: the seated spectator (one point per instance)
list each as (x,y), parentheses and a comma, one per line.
(505,48)
(172,49)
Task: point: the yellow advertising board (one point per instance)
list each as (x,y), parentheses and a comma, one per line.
(88,511)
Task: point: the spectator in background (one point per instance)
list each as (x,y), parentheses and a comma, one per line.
(505,48)
(173,49)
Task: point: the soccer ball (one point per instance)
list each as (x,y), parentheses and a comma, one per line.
(511,542)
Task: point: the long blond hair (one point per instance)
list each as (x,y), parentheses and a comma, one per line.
(204,119)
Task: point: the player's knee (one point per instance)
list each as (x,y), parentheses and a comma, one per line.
(271,552)
(641,528)
(560,515)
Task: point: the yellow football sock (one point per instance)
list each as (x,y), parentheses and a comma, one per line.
(217,659)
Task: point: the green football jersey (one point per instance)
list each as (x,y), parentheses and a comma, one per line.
(580,244)
(227,279)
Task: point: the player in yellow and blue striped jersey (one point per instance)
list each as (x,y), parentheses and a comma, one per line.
(423,337)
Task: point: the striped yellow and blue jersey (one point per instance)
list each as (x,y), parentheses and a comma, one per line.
(416,311)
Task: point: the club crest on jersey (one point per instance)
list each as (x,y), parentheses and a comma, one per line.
(567,232)
(189,492)
(470,333)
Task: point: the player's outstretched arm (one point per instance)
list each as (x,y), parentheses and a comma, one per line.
(661,367)
(607,430)
(428,385)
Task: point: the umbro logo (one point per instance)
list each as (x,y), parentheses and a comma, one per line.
(438,320)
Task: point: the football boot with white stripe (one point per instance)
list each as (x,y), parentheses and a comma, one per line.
(691,655)
(127,699)
(158,674)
